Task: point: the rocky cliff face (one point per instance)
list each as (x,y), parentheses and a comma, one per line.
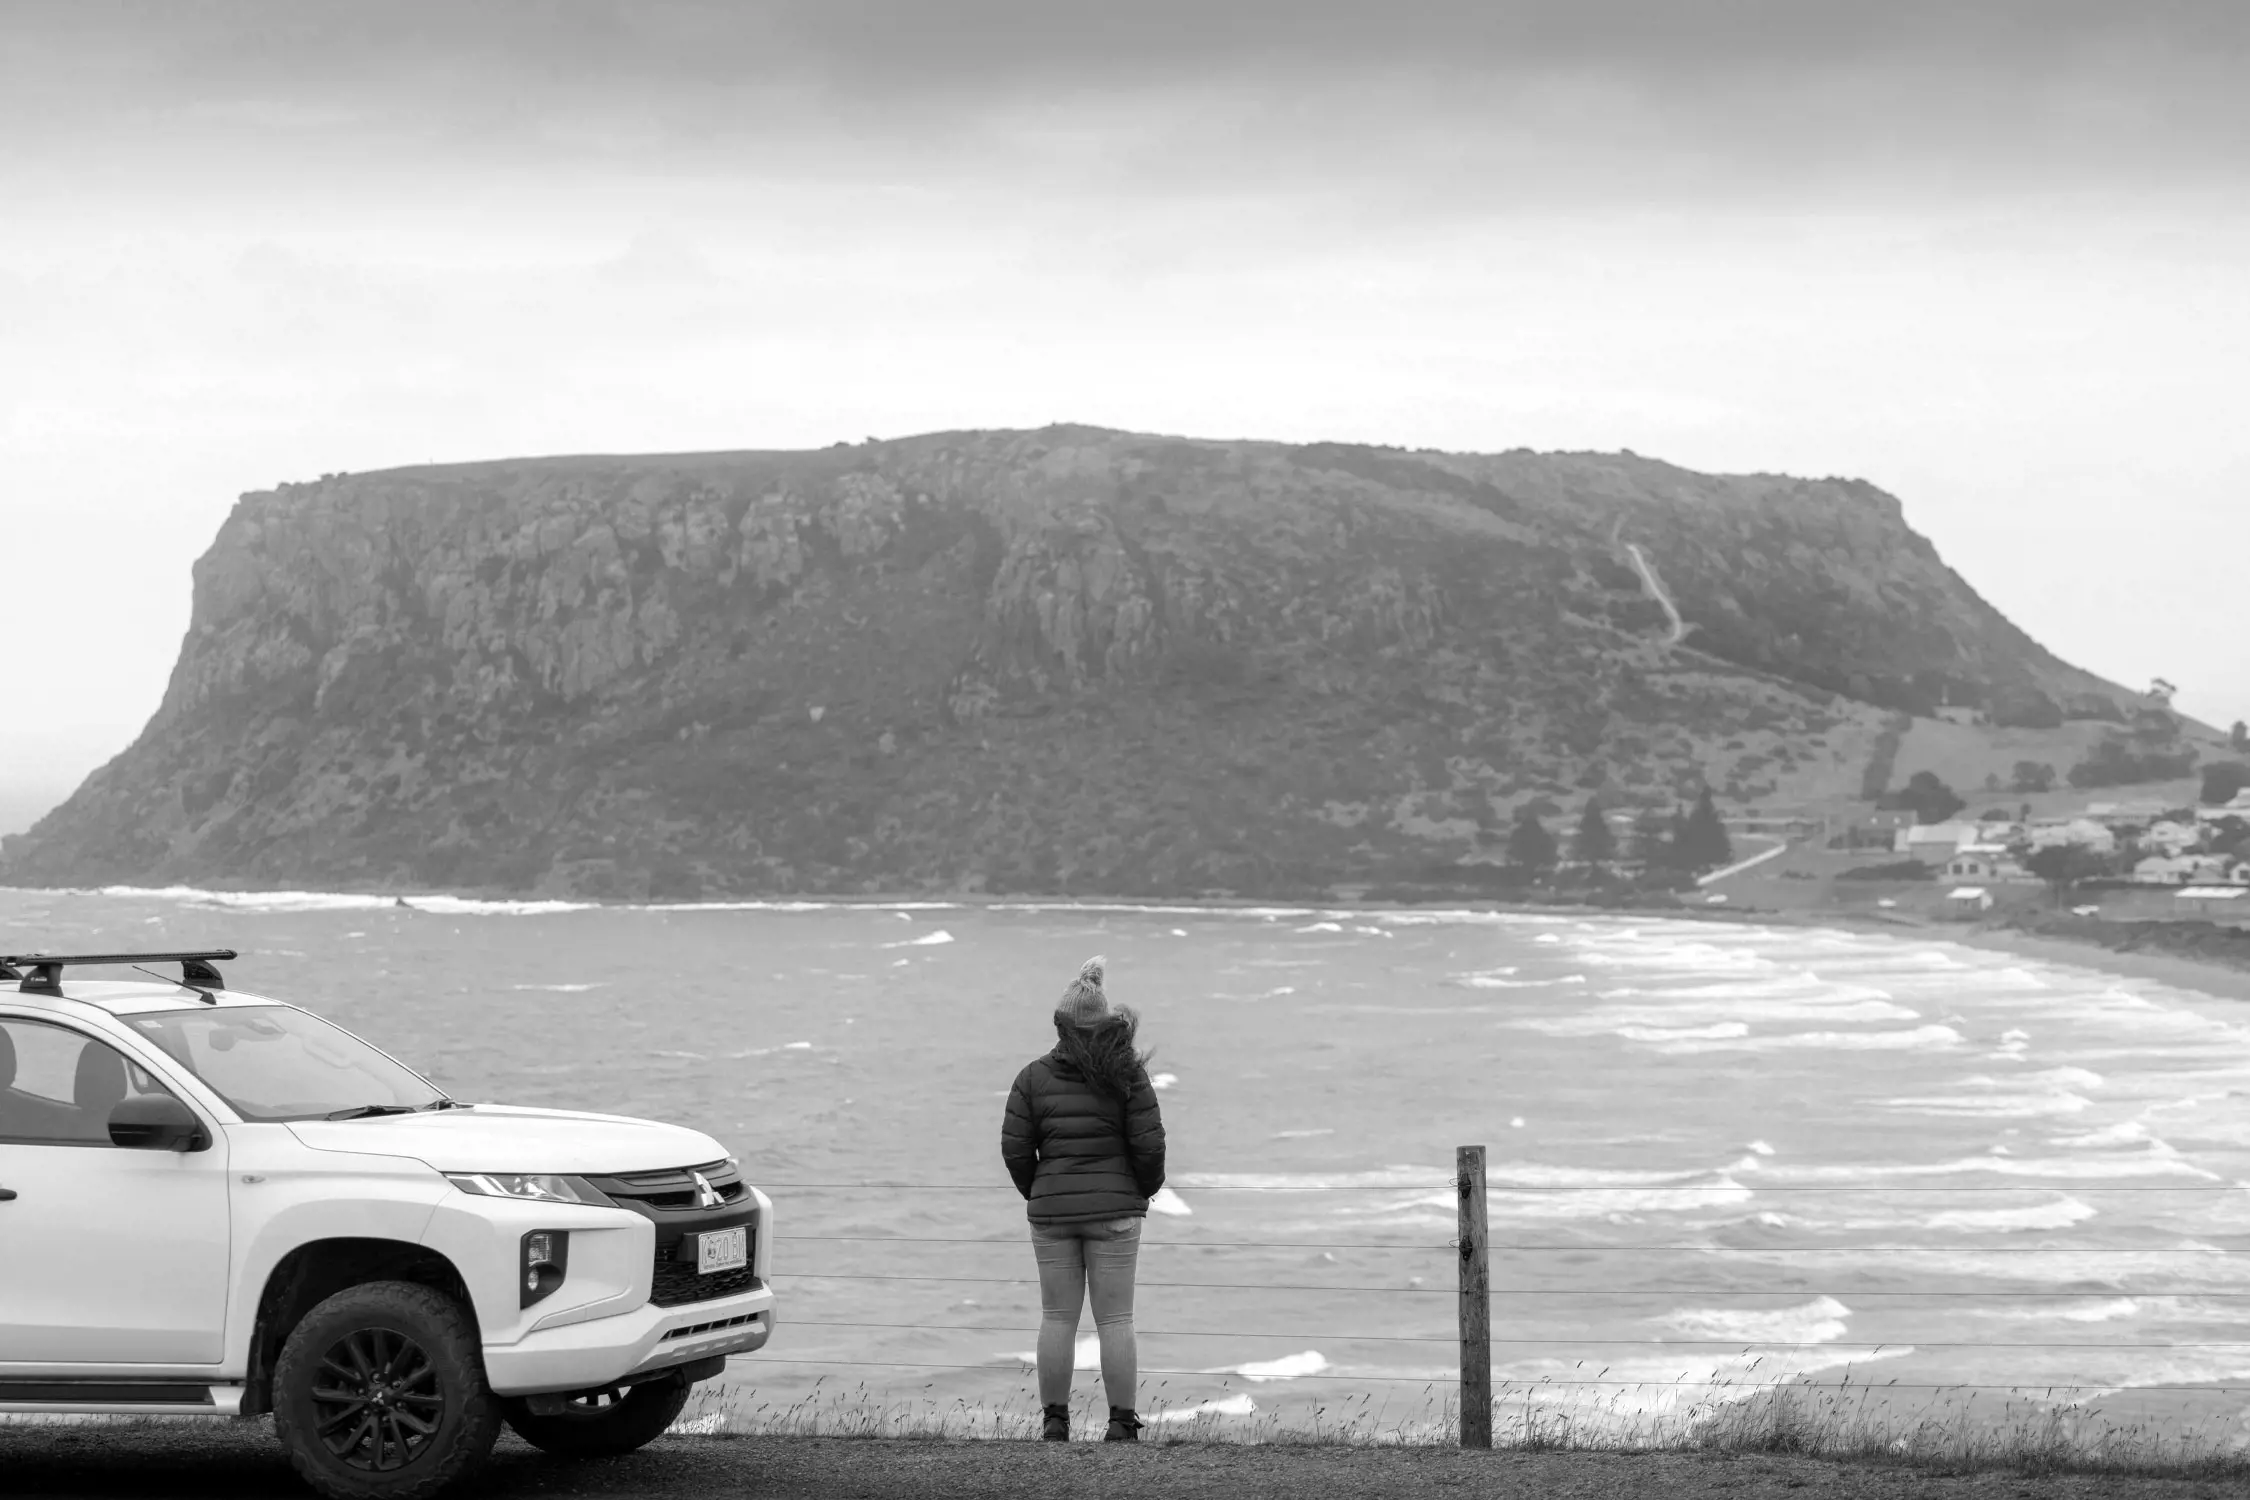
(1065,660)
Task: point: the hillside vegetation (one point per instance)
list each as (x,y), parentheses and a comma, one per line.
(1069,660)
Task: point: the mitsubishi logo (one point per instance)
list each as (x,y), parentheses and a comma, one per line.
(706,1196)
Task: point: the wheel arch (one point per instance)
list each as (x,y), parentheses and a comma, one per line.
(315,1271)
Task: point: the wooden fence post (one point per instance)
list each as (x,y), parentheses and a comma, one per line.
(1476,1301)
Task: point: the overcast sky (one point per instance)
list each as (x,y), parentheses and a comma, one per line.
(1994,257)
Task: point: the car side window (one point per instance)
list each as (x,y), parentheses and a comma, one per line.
(58,1085)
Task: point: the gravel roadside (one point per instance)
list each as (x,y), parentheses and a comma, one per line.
(241,1462)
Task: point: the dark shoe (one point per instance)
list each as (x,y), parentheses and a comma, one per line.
(1057,1429)
(1124,1426)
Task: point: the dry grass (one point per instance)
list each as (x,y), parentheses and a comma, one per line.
(2027,1432)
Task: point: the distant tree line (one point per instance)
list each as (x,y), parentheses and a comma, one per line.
(1689,842)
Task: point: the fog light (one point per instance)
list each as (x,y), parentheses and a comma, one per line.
(546,1260)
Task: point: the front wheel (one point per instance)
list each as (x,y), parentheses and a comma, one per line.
(379,1394)
(603,1423)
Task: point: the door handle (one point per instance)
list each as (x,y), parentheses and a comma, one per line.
(7,1195)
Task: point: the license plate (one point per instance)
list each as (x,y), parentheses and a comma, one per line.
(721,1250)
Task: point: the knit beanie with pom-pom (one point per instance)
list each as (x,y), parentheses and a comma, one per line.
(1084,1004)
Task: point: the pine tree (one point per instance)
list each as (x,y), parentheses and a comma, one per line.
(1648,839)
(1530,845)
(1679,851)
(1593,844)
(1706,844)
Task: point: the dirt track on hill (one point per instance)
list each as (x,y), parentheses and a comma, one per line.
(242,1462)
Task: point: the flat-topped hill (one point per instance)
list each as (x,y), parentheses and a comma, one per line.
(1064,660)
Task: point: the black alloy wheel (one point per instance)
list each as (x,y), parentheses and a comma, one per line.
(379,1394)
(379,1402)
(602,1423)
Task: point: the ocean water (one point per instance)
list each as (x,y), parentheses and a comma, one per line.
(1720,1155)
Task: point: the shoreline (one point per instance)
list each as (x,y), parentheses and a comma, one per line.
(2218,980)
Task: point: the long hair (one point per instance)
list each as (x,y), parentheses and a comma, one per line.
(1105,1052)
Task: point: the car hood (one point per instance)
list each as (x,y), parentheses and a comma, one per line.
(499,1138)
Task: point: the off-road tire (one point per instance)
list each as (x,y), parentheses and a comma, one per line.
(601,1424)
(366,1369)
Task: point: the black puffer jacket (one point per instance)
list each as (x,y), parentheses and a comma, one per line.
(1076,1153)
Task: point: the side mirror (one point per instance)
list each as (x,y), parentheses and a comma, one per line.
(156,1122)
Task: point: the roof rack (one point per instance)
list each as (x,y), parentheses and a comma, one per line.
(45,978)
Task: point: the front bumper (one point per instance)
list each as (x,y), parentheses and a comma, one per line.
(604,1351)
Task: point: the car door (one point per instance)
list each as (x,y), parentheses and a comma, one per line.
(109,1255)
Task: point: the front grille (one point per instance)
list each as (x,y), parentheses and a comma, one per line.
(674,1187)
(676,1204)
(677,1283)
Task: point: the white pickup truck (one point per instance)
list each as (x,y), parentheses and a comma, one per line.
(216,1203)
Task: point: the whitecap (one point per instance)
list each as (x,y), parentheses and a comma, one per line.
(2060,1214)
(1406,1178)
(561,989)
(1168,1202)
(1319,927)
(1681,1033)
(1299,1135)
(1288,1367)
(1817,1322)
(926,940)
(1920,1039)
(2101,1310)
(1598,1019)
(274,901)
(2123,1133)
(314,901)
(1085,1355)
(463,906)
(1993,1106)
(1163,1080)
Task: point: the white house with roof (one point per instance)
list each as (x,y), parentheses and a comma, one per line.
(1966,902)
(2126,812)
(2171,837)
(2178,869)
(2047,832)
(1985,862)
(1935,841)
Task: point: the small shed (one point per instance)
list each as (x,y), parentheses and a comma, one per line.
(1967,901)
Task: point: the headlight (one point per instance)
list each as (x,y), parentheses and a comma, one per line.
(531,1187)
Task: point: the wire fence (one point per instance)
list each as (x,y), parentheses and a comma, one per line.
(1521,1299)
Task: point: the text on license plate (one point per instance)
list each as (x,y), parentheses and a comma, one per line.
(721,1250)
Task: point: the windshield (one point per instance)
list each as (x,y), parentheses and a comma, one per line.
(271,1062)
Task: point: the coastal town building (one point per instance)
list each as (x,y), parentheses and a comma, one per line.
(2047,832)
(2179,869)
(2112,813)
(1935,841)
(1985,862)
(1967,902)
(2171,837)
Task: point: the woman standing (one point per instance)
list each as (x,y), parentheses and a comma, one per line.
(1084,1141)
